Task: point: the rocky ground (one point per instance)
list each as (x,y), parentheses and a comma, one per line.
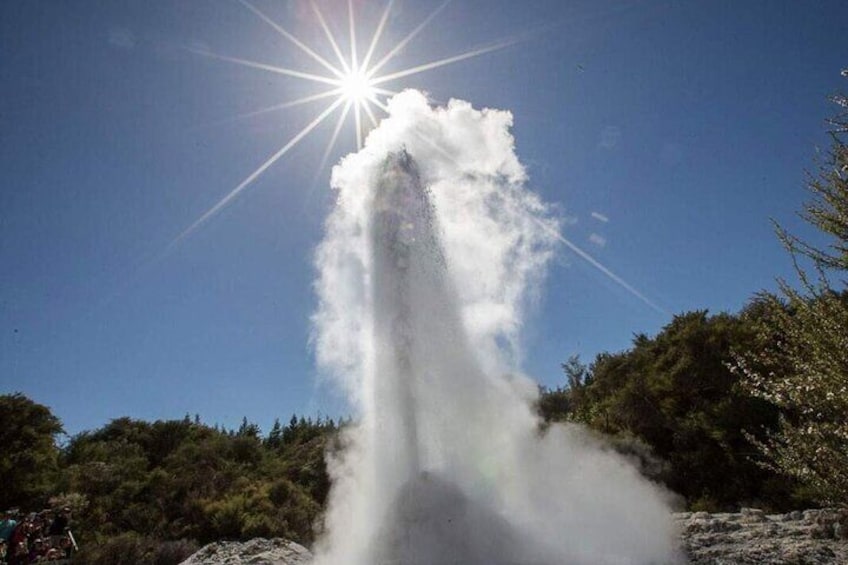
(811,537)
(257,551)
(750,536)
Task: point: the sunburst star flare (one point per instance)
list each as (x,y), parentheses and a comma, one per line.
(354,85)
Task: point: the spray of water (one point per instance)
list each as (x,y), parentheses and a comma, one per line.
(431,255)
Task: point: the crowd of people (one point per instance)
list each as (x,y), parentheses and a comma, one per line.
(38,537)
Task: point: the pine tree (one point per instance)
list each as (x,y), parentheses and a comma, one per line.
(275,436)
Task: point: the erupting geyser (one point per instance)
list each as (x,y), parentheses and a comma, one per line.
(431,254)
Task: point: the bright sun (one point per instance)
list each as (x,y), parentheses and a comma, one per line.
(357,88)
(355,85)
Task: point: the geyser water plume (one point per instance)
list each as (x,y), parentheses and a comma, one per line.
(431,255)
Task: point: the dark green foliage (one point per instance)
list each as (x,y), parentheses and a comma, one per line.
(556,405)
(130,548)
(135,485)
(29,456)
(675,393)
(180,479)
(275,436)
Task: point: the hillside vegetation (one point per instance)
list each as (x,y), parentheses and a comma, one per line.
(132,484)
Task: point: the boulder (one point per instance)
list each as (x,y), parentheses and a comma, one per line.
(258,551)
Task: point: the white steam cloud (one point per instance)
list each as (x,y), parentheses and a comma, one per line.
(431,255)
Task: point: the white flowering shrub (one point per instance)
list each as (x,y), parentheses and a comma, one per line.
(801,364)
(802,367)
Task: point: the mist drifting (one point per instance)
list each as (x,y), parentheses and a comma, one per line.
(431,256)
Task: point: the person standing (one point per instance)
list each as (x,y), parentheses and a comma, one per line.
(7,525)
(59,525)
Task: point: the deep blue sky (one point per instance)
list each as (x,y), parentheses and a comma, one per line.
(687,124)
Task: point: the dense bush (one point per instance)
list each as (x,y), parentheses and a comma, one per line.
(675,394)
(29,456)
(136,489)
(130,548)
(182,479)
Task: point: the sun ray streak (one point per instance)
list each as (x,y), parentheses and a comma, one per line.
(333,138)
(403,42)
(255,174)
(354,65)
(276,107)
(265,67)
(377,34)
(379,104)
(369,112)
(357,115)
(330,37)
(291,38)
(442,62)
(599,266)
(384,91)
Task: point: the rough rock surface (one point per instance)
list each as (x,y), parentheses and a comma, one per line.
(812,537)
(257,551)
(750,536)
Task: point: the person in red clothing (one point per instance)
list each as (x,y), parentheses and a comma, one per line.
(19,536)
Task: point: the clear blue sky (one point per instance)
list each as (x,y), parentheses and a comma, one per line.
(686,124)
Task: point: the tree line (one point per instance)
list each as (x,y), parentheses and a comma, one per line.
(132,485)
